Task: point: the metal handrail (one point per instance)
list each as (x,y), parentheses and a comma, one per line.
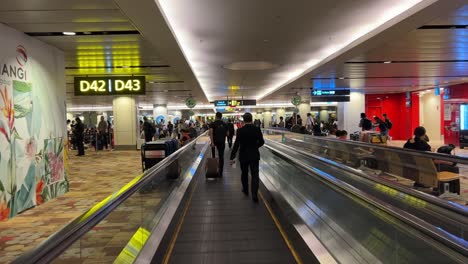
(432,155)
(65,237)
(459,209)
(459,245)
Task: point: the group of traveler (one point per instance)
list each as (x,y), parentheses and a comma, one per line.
(181,129)
(384,125)
(249,139)
(79,135)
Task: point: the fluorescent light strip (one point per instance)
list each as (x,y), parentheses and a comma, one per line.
(89,108)
(183,37)
(198,107)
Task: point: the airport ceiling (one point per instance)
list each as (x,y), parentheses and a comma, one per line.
(266,50)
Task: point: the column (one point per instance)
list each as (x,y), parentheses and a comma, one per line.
(324,115)
(160,113)
(304,108)
(125,123)
(280,112)
(349,112)
(267,118)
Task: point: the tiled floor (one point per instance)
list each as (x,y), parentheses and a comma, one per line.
(92,178)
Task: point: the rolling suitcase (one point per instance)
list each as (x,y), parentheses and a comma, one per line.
(212,168)
(211,165)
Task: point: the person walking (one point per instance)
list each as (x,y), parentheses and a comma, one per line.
(309,122)
(78,132)
(230,127)
(170,128)
(148,129)
(365,124)
(103,132)
(281,122)
(249,139)
(382,126)
(218,134)
(388,123)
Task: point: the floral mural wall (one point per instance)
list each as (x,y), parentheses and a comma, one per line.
(32,123)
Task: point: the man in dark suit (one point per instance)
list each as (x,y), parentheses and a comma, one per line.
(249,138)
(79,137)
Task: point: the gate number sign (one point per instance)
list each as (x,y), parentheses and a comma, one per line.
(119,85)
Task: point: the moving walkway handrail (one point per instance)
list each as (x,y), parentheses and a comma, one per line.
(458,245)
(432,155)
(459,209)
(66,236)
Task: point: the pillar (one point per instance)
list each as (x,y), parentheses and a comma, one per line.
(160,113)
(280,112)
(267,119)
(349,112)
(304,108)
(324,115)
(125,123)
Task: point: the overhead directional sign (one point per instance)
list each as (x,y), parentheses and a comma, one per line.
(321,92)
(115,85)
(330,95)
(234,103)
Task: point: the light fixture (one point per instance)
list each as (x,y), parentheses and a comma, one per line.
(387,62)
(69,33)
(199,57)
(341,78)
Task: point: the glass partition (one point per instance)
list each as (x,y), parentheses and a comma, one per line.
(353,230)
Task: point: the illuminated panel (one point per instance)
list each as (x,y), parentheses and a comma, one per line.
(121,85)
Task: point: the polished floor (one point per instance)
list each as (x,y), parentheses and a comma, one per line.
(92,178)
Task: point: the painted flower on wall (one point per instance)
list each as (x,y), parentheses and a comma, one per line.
(39,188)
(7,126)
(4,210)
(31,149)
(56,166)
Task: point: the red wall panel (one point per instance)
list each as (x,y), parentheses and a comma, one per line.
(394,105)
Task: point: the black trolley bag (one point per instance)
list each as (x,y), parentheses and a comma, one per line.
(152,153)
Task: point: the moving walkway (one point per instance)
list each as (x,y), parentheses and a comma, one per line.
(307,214)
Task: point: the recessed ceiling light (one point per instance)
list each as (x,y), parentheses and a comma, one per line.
(387,61)
(69,33)
(341,78)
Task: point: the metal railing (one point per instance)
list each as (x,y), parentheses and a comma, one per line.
(65,237)
(459,246)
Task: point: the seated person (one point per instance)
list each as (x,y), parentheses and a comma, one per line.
(342,134)
(419,143)
(332,133)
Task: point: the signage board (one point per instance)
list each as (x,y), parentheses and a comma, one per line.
(338,98)
(234,103)
(116,85)
(322,92)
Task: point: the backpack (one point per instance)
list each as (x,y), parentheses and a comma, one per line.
(366,124)
(388,123)
(219,132)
